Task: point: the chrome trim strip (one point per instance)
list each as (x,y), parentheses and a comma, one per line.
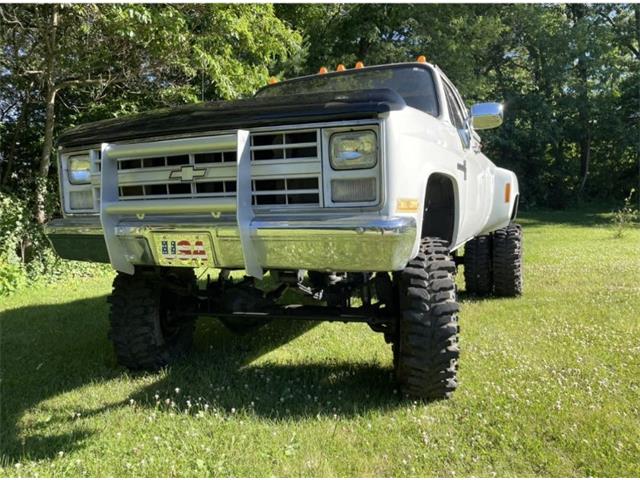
(213,205)
(356,223)
(172,147)
(73,226)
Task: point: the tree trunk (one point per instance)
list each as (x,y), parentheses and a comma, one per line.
(584,114)
(51,89)
(636,9)
(585,158)
(585,125)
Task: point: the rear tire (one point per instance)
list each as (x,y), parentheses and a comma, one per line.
(477,266)
(507,261)
(149,328)
(426,342)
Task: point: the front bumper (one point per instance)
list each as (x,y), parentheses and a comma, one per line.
(351,243)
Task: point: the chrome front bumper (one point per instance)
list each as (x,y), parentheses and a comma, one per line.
(350,243)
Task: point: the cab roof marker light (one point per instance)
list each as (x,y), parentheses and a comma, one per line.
(421,59)
(340,68)
(273,80)
(322,71)
(359,65)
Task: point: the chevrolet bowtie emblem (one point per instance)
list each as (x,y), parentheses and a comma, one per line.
(188,173)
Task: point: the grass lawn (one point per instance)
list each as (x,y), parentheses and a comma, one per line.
(550,384)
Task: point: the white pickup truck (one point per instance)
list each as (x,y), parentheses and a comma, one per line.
(362,183)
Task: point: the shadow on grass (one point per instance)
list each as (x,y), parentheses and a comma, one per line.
(48,350)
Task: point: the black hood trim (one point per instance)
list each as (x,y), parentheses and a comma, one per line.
(248,113)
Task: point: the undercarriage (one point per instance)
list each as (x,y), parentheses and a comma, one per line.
(330,297)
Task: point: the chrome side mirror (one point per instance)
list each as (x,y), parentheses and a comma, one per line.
(486,115)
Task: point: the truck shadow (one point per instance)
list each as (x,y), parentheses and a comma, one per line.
(225,379)
(48,351)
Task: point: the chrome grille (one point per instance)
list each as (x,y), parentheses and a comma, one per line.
(295,180)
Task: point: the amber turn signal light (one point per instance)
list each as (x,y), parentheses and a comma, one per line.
(407,205)
(507,193)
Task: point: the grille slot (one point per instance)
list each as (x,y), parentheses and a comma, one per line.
(284,146)
(213,174)
(290,191)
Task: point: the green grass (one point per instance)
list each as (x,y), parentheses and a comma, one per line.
(550,384)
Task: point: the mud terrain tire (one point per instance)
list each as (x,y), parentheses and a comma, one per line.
(477,266)
(149,328)
(426,343)
(507,261)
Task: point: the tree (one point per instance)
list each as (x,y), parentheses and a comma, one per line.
(149,48)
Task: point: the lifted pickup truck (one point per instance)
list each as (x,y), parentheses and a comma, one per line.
(357,184)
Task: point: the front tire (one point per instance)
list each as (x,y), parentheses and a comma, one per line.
(149,326)
(426,342)
(507,261)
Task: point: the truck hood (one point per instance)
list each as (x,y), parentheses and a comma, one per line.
(247,113)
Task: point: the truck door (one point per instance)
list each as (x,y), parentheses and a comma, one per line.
(474,166)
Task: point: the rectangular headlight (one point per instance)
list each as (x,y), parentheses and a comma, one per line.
(81,200)
(354,150)
(79,170)
(353,190)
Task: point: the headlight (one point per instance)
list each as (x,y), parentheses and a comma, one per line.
(79,170)
(354,150)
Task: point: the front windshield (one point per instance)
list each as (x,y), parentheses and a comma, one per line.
(414,84)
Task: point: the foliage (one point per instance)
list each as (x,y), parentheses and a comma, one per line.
(568,74)
(548,384)
(26,256)
(12,277)
(625,217)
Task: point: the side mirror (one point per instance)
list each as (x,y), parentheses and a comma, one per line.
(486,115)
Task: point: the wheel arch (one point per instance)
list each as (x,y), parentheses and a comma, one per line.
(441,204)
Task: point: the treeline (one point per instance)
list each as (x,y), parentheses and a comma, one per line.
(568,74)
